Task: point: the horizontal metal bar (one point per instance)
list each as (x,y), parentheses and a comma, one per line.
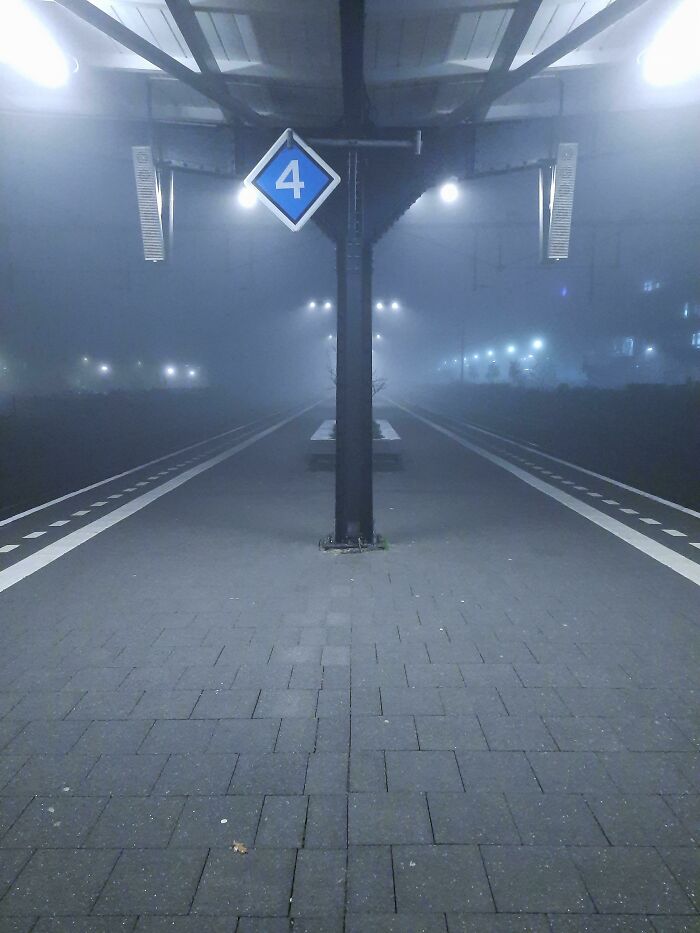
(366,143)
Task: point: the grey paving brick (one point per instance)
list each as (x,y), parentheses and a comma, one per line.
(370,883)
(297,734)
(384,732)
(395,923)
(532,701)
(162,675)
(535,879)
(483,675)
(623,880)
(422,771)
(257,884)
(337,655)
(17,924)
(462,701)
(263,675)
(59,881)
(11,863)
(646,772)
(111,738)
(152,881)
(605,924)
(134,822)
(55,822)
(286,703)
(686,808)
(554,819)
(388,819)
(500,923)
(154,924)
(449,732)
(333,734)
(10,810)
(512,733)
(282,773)
(165,704)
(218,821)
(84,925)
(684,864)
(655,734)
(546,675)
(676,924)
(571,773)
(438,674)
(437,879)
(123,775)
(639,819)
(282,822)
(242,735)
(327,773)
(327,822)
(411,701)
(333,702)
(46,738)
(48,774)
(184,736)
(332,924)
(319,882)
(218,677)
(106,704)
(45,704)
(584,734)
(472,817)
(200,773)
(365,700)
(496,771)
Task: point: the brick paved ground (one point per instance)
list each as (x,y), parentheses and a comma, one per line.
(490,728)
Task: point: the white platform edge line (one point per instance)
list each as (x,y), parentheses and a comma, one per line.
(573,466)
(142,466)
(44,556)
(659,552)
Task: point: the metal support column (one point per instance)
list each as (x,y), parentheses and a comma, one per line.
(354,520)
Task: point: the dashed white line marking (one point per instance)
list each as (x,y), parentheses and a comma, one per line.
(595,495)
(568,482)
(60,523)
(611,501)
(51,552)
(34,534)
(6,548)
(674,533)
(581,488)
(556,476)
(97,505)
(683,566)
(691,543)
(130,489)
(81,513)
(143,482)
(649,521)
(630,511)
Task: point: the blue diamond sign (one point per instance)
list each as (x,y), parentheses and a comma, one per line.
(292,180)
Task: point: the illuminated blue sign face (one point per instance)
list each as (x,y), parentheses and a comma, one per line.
(292,180)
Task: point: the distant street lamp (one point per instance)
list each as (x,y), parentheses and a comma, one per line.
(327,305)
(395,306)
(170,371)
(449,192)
(674,56)
(105,369)
(537,344)
(247,198)
(379,306)
(312,305)
(510,349)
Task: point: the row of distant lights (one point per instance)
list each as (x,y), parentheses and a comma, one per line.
(105,369)
(28,46)
(511,350)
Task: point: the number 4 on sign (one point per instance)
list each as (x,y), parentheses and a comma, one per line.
(296,184)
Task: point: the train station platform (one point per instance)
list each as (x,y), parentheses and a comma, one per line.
(208,724)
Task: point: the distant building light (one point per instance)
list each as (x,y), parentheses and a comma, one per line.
(378,336)
(651,285)
(564,291)
(649,350)
(192,373)
(395,306)
(330,337)
(105,368)
(86,359)
(510,349)
(476,356)
(327,305)
(170,371)
(695,339)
